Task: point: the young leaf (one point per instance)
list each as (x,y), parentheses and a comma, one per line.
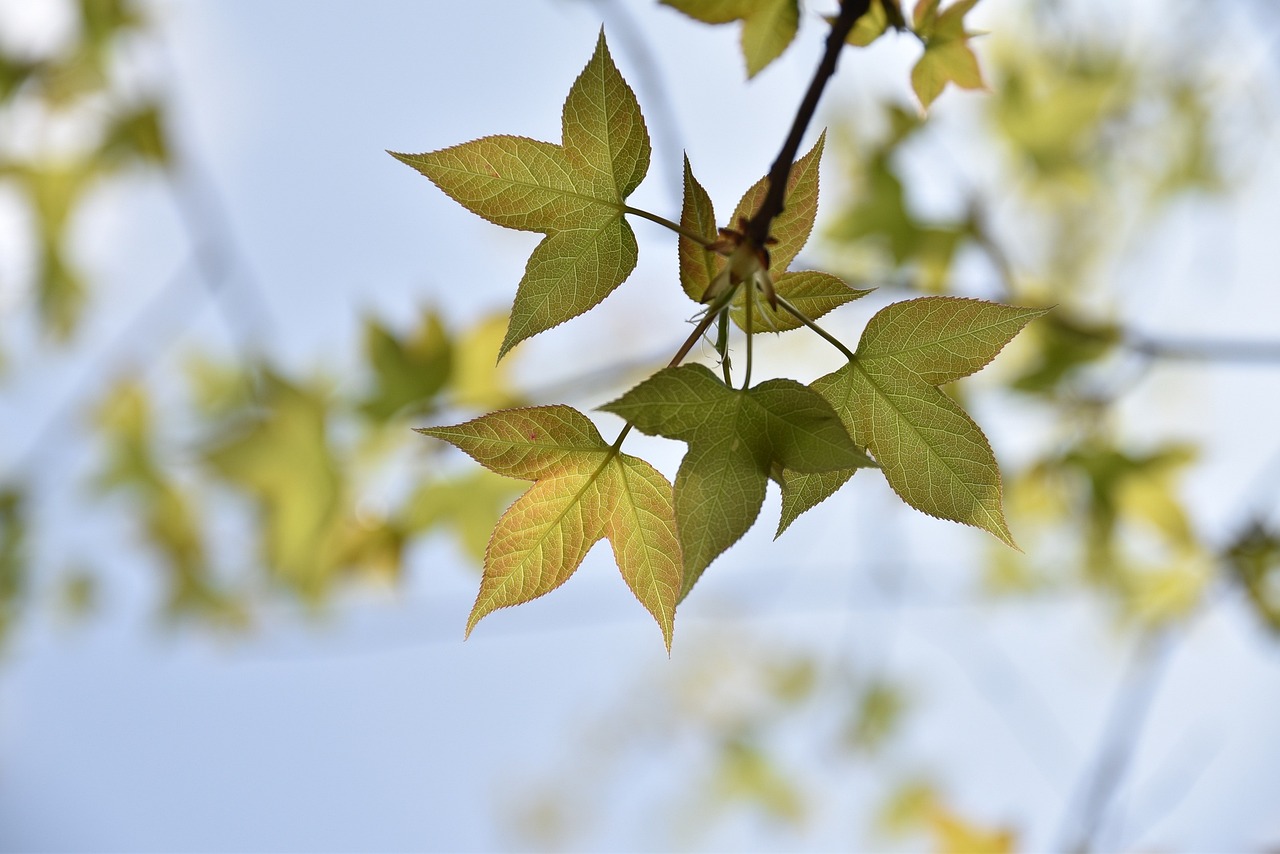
(735,438)
(768,26)
(812,292)
(583,490)
(932,453)
(573,192)
(947,57)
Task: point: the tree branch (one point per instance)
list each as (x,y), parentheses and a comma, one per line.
(758,228)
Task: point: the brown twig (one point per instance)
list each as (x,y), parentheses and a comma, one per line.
(758,228)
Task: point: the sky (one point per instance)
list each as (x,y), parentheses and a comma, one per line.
(379,729)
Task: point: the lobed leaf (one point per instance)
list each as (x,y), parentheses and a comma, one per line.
(932,453)
(735,438)
(813,293)
(583,491)
(947,57)
(573,192)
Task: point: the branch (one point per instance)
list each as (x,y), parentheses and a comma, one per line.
(1240,352)
(1130,707)
(758,228)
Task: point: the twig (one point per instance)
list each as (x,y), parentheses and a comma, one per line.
(1236,352)
(1129,710)
(774,201)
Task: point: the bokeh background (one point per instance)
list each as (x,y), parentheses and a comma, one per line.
(233,582)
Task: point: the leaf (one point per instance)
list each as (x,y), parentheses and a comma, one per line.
(573,193)
(768,26)
(409,372)
(734,438)
(478,380)
(880,15)
(947,57)
(813,293)
(932,453)
(469,506)
(583,490)
(284,460)
(803,491)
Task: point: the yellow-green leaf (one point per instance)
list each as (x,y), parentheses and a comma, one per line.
(932,453)
(583,491)
(573,192)
(735,438)
(947,57)
(768,26)
(813,293)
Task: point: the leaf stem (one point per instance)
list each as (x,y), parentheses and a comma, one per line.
(722,346)
(663,221)
(750,300)
(713,311)
(826,336)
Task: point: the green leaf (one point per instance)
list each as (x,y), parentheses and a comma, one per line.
(768,26)
(735,438)
(813,293)
(283,459)
(573,192)
(932,453)
(947,57)
(468,506)
(880,15)
(583,491)
(802,491)
(408,372)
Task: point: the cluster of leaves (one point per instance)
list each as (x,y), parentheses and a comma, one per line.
(883,409)
(769,27)
(119,129)
(269,442)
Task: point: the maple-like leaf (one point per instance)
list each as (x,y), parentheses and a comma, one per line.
(879,17)
(573,193)
(947,57)
(932,453)
(812,292)
(735,438)
(583,491)
(768,26)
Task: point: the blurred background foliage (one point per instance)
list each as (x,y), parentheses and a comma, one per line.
(1084,147)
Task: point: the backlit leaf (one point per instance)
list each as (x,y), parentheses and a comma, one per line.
(932,453)
(768,26)
(408,372)
(947,57)
(813,293)
(583,491)
(734,438)
(283,459)
(573,193)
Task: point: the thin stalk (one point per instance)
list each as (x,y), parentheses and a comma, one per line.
(713,311)
(750,300)
(826,336)
(722,346)
(663,221)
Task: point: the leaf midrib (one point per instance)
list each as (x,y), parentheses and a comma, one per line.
(616,204)
(889,354)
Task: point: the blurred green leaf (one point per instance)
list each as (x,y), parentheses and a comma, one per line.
(768,26)
(408,372)
(13,558)
(283,459)
(1254,558)
(469,507)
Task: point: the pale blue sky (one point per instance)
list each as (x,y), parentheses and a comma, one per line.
(380,729)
